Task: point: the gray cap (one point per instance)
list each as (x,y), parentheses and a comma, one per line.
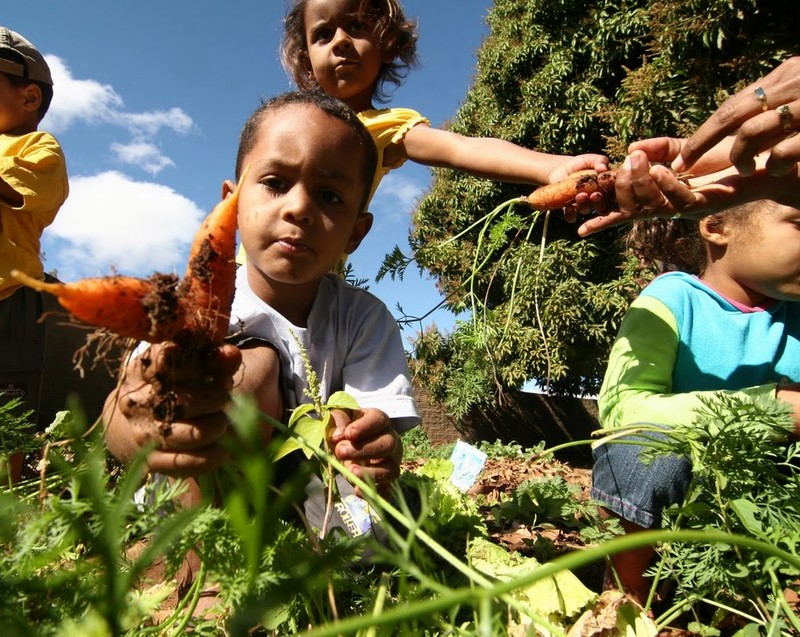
(20,58)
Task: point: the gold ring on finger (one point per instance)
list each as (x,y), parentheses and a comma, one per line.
(761,96)
(786,117)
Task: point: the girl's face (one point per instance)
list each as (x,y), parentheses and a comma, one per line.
(761,256)
(345,54)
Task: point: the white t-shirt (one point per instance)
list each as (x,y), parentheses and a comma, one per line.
(352,341)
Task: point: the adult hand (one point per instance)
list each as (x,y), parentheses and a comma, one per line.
(646,191)
(767,116)
(175,404)
(367,444)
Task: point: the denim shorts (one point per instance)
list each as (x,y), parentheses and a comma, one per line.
(636,491)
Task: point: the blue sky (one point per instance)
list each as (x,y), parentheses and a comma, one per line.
(149,100)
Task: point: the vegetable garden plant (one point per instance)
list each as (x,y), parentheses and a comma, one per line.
(78,553)
(69,530)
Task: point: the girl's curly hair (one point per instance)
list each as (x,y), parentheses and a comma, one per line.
(397,34)
(664,245)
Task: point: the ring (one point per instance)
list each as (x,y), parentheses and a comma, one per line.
(785,114)
(761,96)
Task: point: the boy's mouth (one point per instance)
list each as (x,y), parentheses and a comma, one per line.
(292,245)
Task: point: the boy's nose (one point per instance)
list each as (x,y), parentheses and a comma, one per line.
(297,206)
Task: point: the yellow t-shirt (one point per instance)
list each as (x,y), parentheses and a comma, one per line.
(32,164)
(387,126)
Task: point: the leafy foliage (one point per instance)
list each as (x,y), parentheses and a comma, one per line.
(745,470)
(76,547)
(746,480)
(567,77)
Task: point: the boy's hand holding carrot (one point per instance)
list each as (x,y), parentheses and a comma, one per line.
(169,400)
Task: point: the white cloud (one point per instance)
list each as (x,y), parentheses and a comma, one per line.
(397,197)
(150,123)
(142,154)
(111,222)
(91,102)
(77,100)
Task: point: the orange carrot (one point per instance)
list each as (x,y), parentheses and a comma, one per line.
(195,311)
(208,286)
(125,305)
(561,193)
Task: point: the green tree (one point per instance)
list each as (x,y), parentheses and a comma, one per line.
(568,76)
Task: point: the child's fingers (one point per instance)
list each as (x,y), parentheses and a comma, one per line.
(340,419)
(363,425)
(382,473)
(384,446)
(187,463)
(172,364)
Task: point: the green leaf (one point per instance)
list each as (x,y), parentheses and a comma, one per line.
(341,400)
(746,511)
(299,412)
(557,597)
(311,430)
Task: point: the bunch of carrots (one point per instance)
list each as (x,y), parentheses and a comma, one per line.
(193,311)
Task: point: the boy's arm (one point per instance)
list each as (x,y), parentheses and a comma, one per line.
(34,173)
(493,158)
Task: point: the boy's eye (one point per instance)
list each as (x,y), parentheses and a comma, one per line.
(274,183)
(358,26)
(330,196)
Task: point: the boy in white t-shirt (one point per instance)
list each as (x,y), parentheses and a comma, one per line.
(301,205)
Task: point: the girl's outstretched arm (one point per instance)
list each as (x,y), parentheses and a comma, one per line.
(491,158)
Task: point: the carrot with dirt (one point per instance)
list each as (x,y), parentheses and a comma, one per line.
(208,286)
(143,309)
(194,311)
(563,192)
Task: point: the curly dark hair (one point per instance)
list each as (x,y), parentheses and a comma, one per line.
(397,34)
(664,245)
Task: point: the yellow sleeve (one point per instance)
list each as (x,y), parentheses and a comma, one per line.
(388,126)
(34,166)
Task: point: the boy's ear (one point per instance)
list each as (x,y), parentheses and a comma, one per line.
(360,229)
(32,97)
(227,188)
(714,231)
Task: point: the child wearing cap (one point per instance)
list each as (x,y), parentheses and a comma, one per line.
(33,186)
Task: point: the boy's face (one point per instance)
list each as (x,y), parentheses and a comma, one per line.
(18,107)
(344,51)
(300,199)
